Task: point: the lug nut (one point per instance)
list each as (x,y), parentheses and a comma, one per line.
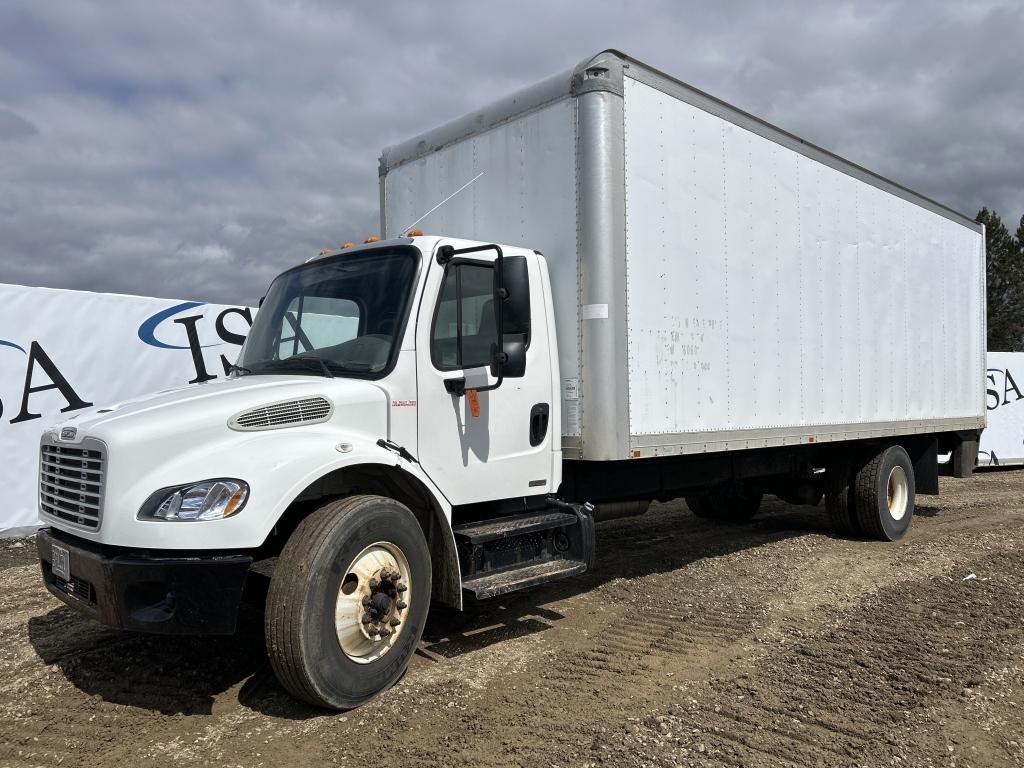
(385,632)
(401,605)
(366,601)
(374,583)
(366,618)
(401,587)
(395,622)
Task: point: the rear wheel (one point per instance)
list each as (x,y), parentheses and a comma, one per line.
(733,507)
(348,601)
(839,502)
(883,494)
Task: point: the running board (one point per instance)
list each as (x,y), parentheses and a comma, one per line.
(513,525)
(513,552)
(502,582)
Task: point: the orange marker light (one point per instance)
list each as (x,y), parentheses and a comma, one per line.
(347,245)
(371,239)
(415,233)
(474,403)
(324,251)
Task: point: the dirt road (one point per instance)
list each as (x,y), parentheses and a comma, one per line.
(691,643)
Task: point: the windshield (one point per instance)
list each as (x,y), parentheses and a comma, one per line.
(340,315)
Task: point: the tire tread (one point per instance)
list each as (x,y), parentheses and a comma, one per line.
(865,501)
(283,625)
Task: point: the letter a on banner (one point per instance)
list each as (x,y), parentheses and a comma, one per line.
(37,355)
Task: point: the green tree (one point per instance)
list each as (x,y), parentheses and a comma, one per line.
(1004,283)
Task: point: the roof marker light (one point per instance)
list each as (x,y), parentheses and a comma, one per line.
(415,233)
(347,245)
(371,239)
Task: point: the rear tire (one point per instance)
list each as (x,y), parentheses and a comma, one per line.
(351,548)
(883,494)
(839,502)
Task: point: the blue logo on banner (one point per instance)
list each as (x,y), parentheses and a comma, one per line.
(147,331)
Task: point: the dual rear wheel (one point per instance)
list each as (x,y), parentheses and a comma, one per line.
(875,498)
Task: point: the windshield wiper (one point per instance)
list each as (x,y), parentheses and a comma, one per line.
(318,360)
(289,362)
(239,369)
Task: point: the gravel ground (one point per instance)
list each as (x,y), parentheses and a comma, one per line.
(773,643)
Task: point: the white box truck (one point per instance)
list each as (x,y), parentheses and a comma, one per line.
(635,292)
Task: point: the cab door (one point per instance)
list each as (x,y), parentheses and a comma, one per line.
(479,443)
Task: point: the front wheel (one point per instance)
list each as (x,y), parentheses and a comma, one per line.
(348,601)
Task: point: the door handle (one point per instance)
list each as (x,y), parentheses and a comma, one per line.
(539,423)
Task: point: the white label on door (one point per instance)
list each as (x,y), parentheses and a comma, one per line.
(594,312)
(570,389)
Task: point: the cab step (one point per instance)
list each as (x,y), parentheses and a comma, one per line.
(513,525)
(502,582)
(513,552)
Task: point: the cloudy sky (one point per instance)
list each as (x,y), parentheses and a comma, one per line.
(194,149)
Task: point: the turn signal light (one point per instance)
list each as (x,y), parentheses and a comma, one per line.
(347,245)
(371,239)
(415,233)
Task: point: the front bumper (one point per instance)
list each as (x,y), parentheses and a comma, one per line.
(145,593)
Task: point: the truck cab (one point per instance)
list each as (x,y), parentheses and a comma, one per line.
(389,384)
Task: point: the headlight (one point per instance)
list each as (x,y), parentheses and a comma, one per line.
(208,500)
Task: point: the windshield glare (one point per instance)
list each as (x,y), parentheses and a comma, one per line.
(345,310)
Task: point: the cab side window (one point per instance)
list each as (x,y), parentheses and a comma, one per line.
(464,334)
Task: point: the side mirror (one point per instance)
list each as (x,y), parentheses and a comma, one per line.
(516,305)
(512,300)
(513,358)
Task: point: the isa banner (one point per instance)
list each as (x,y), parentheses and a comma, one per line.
(62,351)
(1002,442)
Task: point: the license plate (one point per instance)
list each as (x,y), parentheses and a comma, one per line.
(60,558)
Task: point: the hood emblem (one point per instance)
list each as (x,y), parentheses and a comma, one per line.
(68,433)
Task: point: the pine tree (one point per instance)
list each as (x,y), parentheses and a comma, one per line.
(1004,283)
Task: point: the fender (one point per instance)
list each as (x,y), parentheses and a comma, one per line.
(447,574)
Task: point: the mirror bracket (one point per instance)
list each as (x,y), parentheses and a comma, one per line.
(455,387)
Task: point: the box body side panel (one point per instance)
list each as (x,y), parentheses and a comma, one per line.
(525,195)
(770,295)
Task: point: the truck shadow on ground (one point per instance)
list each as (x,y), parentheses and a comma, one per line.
(185,675)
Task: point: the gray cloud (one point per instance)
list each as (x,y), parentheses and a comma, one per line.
(14,126)
(196,149)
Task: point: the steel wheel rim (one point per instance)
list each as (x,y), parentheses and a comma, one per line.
(897,493)
(380,571)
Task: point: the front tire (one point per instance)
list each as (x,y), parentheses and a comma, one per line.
(348,601)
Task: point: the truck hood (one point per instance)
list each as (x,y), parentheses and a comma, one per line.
(200,407)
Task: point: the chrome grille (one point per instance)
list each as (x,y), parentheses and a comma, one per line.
(71,480)
(309,410)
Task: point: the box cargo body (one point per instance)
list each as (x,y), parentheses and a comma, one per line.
(718,284)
